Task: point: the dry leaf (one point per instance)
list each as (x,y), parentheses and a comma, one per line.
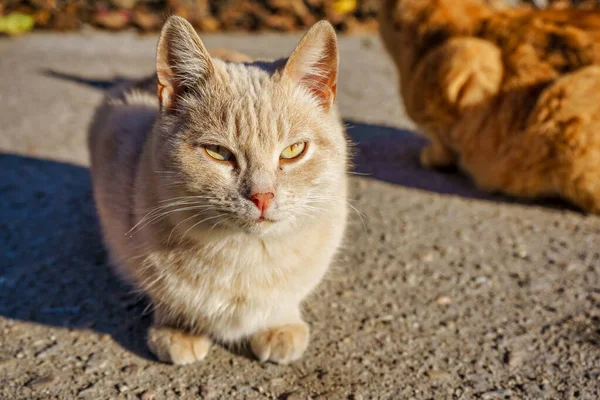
(16,24)
(113,20)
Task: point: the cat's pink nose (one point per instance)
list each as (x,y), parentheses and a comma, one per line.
(262,200)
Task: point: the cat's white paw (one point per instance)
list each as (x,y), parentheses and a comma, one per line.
(177,347)
(282,344)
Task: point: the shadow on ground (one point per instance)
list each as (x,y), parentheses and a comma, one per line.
(392,155)
(54,269)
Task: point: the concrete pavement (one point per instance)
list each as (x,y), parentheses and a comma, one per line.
(441,292)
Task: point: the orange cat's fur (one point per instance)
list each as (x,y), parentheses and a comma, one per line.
(512,97)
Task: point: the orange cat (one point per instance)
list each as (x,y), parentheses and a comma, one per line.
(512,97)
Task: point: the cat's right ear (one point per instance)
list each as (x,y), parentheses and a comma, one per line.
(314,63)
(182,61)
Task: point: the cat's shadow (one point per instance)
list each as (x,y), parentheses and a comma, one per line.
(392,155)
(53,269)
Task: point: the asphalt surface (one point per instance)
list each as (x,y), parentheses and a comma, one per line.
(441,292)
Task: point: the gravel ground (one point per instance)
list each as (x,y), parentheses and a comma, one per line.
(441,292)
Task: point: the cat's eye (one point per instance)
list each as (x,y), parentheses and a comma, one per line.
(219,153)
(293,151)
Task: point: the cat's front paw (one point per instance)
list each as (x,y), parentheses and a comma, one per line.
(282,344)
(435,156)
(177,347)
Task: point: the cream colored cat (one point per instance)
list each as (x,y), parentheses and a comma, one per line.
(224,200)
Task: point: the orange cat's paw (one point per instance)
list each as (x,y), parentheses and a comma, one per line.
(282,344)
(177,347)
(437,157)
(427,157)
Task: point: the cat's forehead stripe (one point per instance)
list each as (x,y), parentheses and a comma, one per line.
(254,115)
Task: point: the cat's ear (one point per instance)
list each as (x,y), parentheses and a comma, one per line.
(182,61)
(314,63)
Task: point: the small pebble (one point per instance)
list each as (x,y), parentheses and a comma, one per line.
(208,391)
(95,363)
(497,395)
(42,382)
(438,375)
(295,396)
(443,300)
(148,395)
(20,355)
(122,388)
(130,369)
(427,257)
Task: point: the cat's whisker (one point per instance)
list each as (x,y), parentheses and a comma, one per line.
(148,309)
(194,197)
(179,223)
(326,199)
(310,208)
(173,204)
(161,216)
(155,210)
(198,223)
(360,173)
(215,225)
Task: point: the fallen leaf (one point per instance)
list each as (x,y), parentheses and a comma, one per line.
(344,6)
(16,24)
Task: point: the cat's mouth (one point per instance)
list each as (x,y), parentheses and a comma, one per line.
(264,220)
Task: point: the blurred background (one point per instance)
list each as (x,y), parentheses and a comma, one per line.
(349,16)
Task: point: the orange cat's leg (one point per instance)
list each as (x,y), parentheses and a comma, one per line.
(173,345)
(470,72)
(452,83)
(585,192)
(437,155)
(568,117)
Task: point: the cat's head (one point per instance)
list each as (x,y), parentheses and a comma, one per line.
(412,28)
(254,147)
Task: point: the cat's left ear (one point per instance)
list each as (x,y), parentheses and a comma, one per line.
(314,63)
(182,61)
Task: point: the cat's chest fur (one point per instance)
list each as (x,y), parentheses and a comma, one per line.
(237,284)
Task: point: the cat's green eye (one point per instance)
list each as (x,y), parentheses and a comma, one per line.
(293,151)
(219,153)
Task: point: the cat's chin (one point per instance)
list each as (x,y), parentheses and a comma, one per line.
(261,227)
